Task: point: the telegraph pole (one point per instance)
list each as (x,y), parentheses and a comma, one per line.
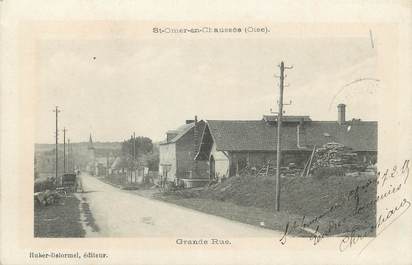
(134,156)
(72,162)
(279,133)
(134,146)
(68,154)
(131,155)
(64,150)
(57,141)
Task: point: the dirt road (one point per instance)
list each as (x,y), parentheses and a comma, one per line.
(119,213)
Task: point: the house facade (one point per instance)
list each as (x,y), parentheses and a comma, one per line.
(129,170)
(228,146)
(177,153)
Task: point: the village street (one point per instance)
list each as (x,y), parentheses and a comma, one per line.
(120,213)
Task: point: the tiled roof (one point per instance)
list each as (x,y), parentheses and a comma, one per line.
(257,135)
(358,135)
(181,131)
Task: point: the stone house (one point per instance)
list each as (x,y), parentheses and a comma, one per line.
(177,153)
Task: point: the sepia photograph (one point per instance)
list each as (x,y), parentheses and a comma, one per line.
(142,126)
(174,132)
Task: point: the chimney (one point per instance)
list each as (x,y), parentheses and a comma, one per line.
(341,113)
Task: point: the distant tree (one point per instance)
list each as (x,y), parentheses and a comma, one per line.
(144,145)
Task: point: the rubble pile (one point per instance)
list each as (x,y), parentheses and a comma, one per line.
(336,155)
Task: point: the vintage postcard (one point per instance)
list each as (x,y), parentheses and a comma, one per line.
(201,138)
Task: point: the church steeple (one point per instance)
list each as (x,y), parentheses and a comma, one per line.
(90,147)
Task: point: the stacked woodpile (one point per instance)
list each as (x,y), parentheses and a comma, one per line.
(336,155)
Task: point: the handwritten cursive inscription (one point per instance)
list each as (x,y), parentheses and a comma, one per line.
(390,181)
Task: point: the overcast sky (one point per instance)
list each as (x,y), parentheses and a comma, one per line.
(111,88)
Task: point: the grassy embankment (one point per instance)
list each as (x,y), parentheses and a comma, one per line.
(330,206)
(61,219)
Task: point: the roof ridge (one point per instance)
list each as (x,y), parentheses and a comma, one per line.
(348,121)
(238,135)
(236,120)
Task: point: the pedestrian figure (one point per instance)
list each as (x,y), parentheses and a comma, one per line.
(79,182)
